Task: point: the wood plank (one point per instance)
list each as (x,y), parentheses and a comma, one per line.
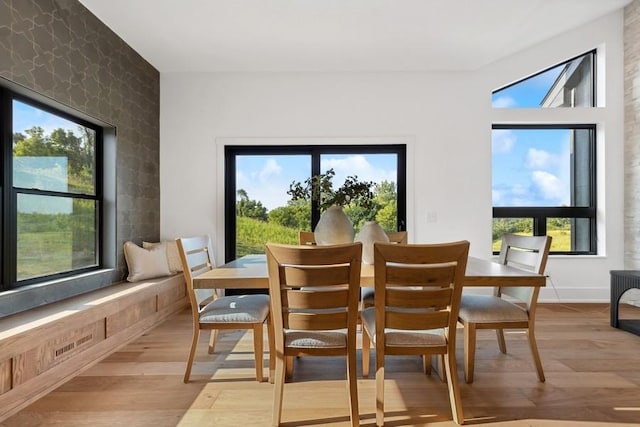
(5,375)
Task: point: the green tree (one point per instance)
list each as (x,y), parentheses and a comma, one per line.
(387,216)
(386,198)
(296,214)
(245,207)
(320,188)
(79,150)
(359,214)
(386,192)
(511,225)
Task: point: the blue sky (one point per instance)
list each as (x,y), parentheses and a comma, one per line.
(26,116)
(530,167)
(267,178)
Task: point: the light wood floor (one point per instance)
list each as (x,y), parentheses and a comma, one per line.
(592,370)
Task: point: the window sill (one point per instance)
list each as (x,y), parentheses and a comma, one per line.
(36,295)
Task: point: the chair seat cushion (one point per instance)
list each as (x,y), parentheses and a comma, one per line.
(402,338)
(489,308)
(236,309)
(316,339)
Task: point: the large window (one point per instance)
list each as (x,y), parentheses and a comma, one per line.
(258,208)
(567,85)
(51,192)
(544,184)
(544,174)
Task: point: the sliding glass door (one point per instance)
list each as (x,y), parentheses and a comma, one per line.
(259,207)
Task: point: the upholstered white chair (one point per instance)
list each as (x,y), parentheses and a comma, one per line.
(213,312)
(499,313)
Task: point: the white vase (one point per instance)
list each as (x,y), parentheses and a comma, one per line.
(370,233)
(334,227)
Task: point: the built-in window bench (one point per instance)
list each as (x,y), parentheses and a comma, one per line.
(42,348)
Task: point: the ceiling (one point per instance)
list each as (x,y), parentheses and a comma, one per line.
(338,35)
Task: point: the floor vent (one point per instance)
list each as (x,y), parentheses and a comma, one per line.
(84,339)
(65,349)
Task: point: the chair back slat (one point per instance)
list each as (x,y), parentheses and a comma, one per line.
(417,320)
(293,299)
(422,275)
(418,298)
(318,321)
(522,259)
(310,276)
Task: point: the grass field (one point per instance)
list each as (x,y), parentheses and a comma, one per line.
(560,241)
(43,253)
(251,235)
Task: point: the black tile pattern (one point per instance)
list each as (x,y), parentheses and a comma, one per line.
(59,49)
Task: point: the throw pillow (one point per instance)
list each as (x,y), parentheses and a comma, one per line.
(173,256)
(145,263)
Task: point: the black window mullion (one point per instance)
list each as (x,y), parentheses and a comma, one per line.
(315,202)
(7,257)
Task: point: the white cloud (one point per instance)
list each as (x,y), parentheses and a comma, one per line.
(504,102)
(502,140)
(270,169)
(550,187)
(359,166)
(540,159)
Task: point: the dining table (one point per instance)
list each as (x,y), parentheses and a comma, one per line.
(250,272)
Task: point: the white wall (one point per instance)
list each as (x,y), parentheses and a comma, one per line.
(446,117)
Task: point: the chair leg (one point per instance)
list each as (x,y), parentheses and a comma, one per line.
(192,353)
(366,353)
(272,349)
(536,355)
(258,350)
(288,368)
(212,341)
(379,389)
(439,367)
(352,381)
(501,342)
(451,370)
(278,389)
(469,351)
(426,364)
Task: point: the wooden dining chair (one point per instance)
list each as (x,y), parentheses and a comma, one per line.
(417,296)
(211,311)
(314,306)
(495,312)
